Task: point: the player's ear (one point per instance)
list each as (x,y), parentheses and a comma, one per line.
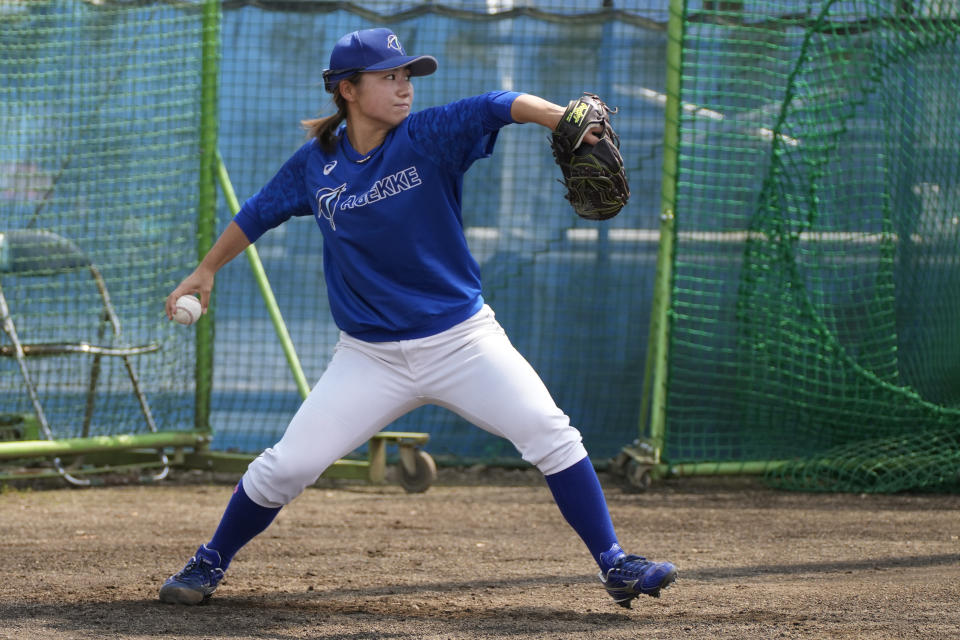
(347,89)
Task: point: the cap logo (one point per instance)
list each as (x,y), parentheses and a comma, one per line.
(394,43)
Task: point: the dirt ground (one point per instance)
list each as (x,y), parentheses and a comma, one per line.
(481,554)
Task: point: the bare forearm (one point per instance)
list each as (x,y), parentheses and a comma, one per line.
(530,108)
(227,247)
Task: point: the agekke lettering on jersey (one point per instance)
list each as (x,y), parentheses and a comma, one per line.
(328,199)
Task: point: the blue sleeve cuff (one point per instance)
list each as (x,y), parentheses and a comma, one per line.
(282,197)
(249,223)
(501,104)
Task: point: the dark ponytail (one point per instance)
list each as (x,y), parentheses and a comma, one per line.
(324,130)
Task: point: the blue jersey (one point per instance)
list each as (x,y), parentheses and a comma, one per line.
(395,257)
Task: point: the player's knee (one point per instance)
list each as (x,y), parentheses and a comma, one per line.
(555,456)
(274,480)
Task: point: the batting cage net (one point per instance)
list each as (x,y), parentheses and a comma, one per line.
(816,279)
(99,166)
(813,188)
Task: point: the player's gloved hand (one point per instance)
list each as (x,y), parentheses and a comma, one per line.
(587,149)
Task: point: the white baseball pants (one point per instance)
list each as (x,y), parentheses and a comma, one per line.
(471,369)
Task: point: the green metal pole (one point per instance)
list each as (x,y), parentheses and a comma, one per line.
(207,205)
(74,446)
(747,467)
(260,275)
(654,400)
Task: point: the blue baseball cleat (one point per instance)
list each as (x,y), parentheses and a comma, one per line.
(626,577)
(196,582)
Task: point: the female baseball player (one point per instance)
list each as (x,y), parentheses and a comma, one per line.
(385,190)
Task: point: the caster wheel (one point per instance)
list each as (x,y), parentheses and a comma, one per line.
(417,471)
(639,476)
(618,466)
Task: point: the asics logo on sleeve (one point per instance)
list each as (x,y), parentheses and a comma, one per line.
(327,200)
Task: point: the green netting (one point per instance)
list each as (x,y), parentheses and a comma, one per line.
(816,277)
(99,126)
(100,133)
(815,280)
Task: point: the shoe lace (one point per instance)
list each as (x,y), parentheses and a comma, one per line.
(198,566)
(632,567)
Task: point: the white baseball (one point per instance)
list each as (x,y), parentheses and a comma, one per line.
(188,309)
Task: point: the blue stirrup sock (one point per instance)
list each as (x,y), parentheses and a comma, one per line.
(242,521)
(578,493)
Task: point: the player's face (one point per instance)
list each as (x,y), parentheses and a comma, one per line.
(385,96)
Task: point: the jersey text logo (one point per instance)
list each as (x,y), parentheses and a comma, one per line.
(384,188)
(327,200)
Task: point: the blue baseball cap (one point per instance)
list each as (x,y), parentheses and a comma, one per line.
(372,50)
